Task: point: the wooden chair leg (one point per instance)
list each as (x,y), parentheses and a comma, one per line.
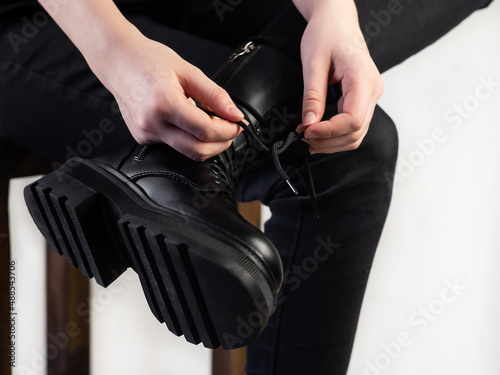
(232,362)
(67,291)
(67,325)
(5,341)
(228,362)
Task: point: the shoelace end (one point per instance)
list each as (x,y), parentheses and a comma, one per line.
(295,191)
(315,207)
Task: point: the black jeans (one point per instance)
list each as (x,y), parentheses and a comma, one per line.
(52,103)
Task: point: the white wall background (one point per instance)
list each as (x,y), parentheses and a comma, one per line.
(443,229)
(444,222)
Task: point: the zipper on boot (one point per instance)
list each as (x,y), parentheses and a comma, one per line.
(234,62)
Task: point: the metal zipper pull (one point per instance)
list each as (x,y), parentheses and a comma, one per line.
(140,154)
(247,48)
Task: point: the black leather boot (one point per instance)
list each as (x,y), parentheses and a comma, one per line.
(205,271)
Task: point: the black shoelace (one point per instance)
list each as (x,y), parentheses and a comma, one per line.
(277,149)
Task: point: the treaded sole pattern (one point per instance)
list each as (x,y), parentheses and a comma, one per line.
(184,288)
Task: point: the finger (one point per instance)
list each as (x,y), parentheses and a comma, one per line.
(191,146)
(329,146)
(340,105)
(337,126)
(359,98)
(356,104)
(315,74)
(341,143)
(199,124)
(211,95)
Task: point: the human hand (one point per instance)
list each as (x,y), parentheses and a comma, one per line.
(333,50)
(154,88)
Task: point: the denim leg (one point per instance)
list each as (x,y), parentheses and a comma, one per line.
(326,260)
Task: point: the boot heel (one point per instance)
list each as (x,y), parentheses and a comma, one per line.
(168,281)
(71,217)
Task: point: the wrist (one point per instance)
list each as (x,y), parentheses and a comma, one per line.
(330,8)
(96,27)
(112,53)
(338,18)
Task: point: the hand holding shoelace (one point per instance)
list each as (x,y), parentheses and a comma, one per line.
(154,87)
(333,50)
(157,96)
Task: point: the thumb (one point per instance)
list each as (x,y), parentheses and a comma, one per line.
(315,89)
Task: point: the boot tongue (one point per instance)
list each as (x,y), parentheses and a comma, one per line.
(239,154)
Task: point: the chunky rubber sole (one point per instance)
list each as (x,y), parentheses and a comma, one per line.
(203,284)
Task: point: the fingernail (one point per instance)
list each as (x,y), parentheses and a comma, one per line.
(235,111)
(311,135)
(309,118)
(300,128)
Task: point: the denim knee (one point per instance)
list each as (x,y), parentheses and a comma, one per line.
(381,145)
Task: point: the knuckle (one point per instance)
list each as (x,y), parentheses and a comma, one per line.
(381,85)
(160,106)
(155,96)
(218,94)
(175,118)
(198,155)
(352,137)
(204,134)
(312,95)
(141,138)
(202,151)
(355,145)
(357,124)
(144,126)
(352,146)
(175,143)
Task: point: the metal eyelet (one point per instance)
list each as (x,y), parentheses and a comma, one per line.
(215,169)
